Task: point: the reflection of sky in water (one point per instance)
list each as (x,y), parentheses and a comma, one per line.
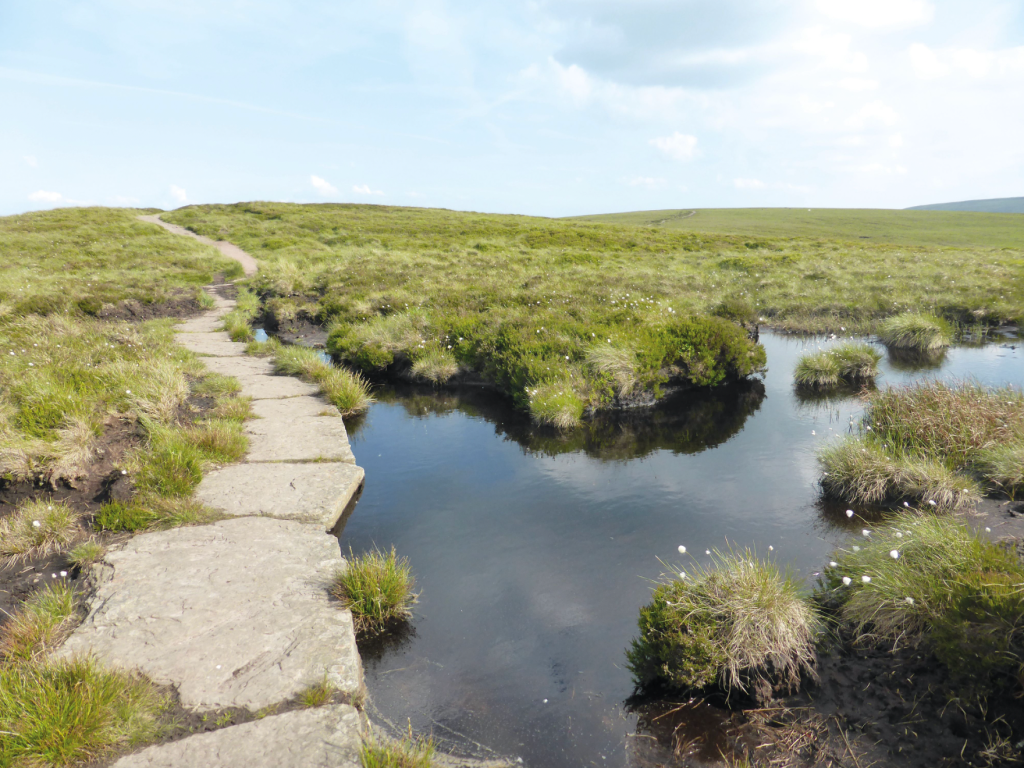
(532,567)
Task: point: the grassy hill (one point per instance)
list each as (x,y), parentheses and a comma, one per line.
(993,205)
(910,227)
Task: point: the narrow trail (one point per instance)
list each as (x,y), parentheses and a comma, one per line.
(230,250)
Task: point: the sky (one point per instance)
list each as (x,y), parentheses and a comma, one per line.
(540,107)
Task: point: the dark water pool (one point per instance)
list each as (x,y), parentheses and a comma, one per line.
(533,552)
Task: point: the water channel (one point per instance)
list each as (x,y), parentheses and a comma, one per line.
(533,552)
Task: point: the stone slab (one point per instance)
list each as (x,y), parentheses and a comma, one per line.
(234,614)
(298,438)
(294,407)
(216,344)
(309,493)
(205,323)
(326,737)
(260,387)
(239,366)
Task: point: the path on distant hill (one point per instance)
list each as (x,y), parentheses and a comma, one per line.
(231,251)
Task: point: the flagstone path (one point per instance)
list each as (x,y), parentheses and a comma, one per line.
(237,613)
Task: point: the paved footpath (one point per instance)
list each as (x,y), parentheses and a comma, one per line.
(237,613)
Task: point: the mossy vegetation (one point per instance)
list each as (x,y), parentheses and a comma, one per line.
(408,752)
(40,624)
(378,588)
(941,444)
(738,625)
(929,580)
(849,363)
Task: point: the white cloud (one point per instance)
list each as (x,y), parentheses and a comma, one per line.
(364,189)
(858,84)
(679,146)
(126,201)
(179,194)
(834,51)
(748,184)
(925,63)
(879,14)
(323,186)
(30,160)
(896,140)
(42,196)
(929,63)
(875,112)
(647,181)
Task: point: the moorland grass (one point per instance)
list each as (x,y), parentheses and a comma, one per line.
(73,261)
(72,711)
(848,363)
(37,527)
(40,624)
(317,695)
(238,322)
(931,442)
(923,578)
(347,391)
(378,588)
(915,331)
(87,553)
(408,752)
(736,625)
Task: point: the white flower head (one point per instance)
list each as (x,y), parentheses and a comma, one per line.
(682,550)
(894,554)
(866,579)
(856,548)
(682,574)
(832,564)
(849,513)
(63,574)
(899,535)
(36,524)
(906,504)
(908,600)
(932,502)
(847,580)
(865,533)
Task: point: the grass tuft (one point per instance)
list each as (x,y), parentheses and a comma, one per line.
(317,695)
(347,391)
(618,364)
(738,624)
(70,712)
(436,366)
(36,528)
(928,578)
(1003,466)
(378,588)
(409,752)
(41,623)
(849,363)
(86,554)
(912,330)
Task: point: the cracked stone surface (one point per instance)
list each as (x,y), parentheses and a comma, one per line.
(326,737)
(295,407)
(310,493)
(234,614)
(301,438)
(240,366)
(206,323)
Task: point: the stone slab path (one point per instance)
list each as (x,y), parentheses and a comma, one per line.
(327,737)
(238,613)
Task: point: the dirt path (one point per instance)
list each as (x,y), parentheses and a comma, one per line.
(248,263)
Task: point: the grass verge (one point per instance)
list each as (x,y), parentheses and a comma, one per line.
(736,625)
(916,331)
(347,391)
(408,752)
(41,623)
(378,588)
(37,527)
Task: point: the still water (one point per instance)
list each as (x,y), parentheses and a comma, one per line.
(533,552)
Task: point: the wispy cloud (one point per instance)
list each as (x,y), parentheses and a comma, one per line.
(42,196)
(323,186)
(749,184)
(647,181)
(30,160)
(364,189)
(679,146)
(179,194)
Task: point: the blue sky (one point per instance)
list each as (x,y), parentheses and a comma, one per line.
(547,107)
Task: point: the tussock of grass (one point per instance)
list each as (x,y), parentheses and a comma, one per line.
(346,390)
(618,364)
(850,363)
(238,322)
(69,712)
(912,330)
(738,624)
(36,528)
(86,554)
(930,442)
(930,579)
(409,752)
(436,366)
(557,404)
(238,409)
(41,623)
(269,348)
(216,385)
(377,587)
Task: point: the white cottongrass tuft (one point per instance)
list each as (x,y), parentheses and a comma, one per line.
(866,579)
(682,550)
(894,554)
(833,564)
(849,513)
(847,580)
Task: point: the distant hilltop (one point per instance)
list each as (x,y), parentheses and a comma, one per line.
(995,205)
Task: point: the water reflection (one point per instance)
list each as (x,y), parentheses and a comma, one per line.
(914,360)
(683,423)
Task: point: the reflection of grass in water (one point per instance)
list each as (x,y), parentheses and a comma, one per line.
(912,360)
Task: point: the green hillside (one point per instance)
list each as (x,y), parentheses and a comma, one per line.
(993,205)
(911,227)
